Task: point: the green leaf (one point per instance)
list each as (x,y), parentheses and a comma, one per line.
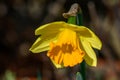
(78,76)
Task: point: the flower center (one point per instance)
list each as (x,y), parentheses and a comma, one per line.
(66,51)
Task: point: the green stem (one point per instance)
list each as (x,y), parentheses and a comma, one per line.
(82,66)
(72,20)
(38,75)
(83,70)
(78,20)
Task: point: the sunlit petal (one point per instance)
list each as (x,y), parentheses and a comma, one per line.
(42,44)
(50,28)
(57,65)
(94,40)
(90,56)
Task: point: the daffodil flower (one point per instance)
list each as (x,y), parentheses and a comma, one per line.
(67,44)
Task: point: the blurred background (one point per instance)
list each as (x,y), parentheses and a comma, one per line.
(19,19)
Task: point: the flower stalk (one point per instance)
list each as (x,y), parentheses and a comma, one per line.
(75,17)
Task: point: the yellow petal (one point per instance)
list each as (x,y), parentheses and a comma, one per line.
(50,28)
(94,40)
(90,37)
(57,65)
(90,56)
(48,33)
(38,46)
(56,27)
(42,44)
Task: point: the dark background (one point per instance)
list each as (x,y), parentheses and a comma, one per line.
(20,18)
